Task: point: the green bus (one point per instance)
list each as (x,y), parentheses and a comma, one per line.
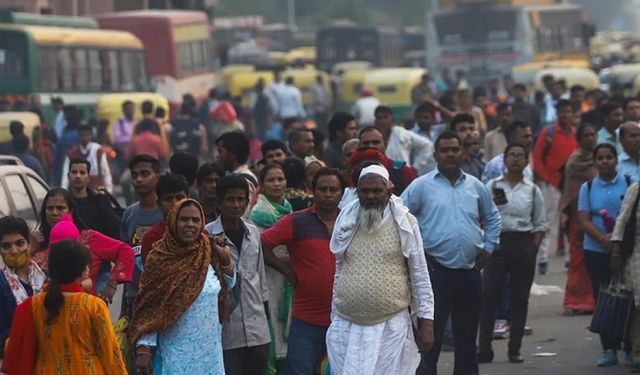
(38,63)
(21,18)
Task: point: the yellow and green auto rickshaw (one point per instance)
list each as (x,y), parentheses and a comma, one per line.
(393,86)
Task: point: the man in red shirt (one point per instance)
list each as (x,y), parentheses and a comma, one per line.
(170,189)
(310,269)
(552,150)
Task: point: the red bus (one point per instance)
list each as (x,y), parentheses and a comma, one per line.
(178,49)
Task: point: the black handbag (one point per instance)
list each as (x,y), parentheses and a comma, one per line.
(612,316)
(629,236)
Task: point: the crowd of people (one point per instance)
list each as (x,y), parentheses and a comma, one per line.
(253,244)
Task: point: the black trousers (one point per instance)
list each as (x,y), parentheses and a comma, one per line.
(457,292)
(250,360)
(516,257)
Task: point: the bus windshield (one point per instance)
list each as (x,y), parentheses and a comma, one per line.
(475,26)
(13,58)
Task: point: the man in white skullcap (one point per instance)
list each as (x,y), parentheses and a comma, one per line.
(380,269)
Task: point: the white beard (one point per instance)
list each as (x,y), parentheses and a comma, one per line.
(369,218)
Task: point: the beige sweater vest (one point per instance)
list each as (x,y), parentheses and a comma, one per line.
(374,281)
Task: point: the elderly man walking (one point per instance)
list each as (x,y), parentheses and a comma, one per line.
(380,268)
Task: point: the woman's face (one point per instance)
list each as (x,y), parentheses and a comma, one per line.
(589,138)
(55,208)
(189,224)
(14,249)
(605,161)
(274,184)
(311,171)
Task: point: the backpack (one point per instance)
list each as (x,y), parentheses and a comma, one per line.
(185,135)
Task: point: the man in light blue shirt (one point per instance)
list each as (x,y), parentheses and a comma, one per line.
(629,158)
(612,116)
(425,116)
(460,228)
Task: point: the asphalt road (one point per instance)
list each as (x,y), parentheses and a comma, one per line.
(576,349)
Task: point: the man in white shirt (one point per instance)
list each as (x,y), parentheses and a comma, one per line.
(364,108)
(403,144)
(59,121)
(290,101)
(100,173)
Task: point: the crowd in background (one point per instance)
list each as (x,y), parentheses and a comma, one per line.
(224,246)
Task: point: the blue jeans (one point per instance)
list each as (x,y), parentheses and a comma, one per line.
(305,347)
(459,293)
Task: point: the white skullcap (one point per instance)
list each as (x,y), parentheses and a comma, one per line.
(377,170)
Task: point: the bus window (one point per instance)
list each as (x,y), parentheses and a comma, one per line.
(65,67)
(80,70)
(185,62)
(387,89)
(125,62)
(95,70)
(47,69)
(13,57)
(110,77)
(139,71)
(198,56)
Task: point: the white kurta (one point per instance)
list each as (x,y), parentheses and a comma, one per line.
(388,347)
(413,149)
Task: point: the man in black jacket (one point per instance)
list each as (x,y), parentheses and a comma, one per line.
(94,209)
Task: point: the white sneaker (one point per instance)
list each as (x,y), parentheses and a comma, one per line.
(501,329)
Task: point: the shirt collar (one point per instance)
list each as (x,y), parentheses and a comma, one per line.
(217,229)
(605,183)
(462,177)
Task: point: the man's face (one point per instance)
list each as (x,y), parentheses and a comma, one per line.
(373,192)
(520,93)
(144,178)
(207,187)
(614,118)
(633,110)
(556,90)
(631,140)
(275,156)
(78,176)
(577,96)
(424,120)
(565,115)
(589,138)
(524,136)
(465,131)
(384,120)
(374,139)
(327,193)
(57,106)
(128,111)
(304,146)
(85,137)
(234,203)
(506,116)
(465,100)
(516,160)
(448,154)
(166,201)
(224,157)
(350,132)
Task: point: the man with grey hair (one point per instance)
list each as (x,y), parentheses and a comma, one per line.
(380,268)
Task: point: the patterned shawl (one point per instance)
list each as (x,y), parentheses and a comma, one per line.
(173,278)
(267,212)
(37,279)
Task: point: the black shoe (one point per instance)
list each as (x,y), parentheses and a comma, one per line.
(515,358)
(485,357)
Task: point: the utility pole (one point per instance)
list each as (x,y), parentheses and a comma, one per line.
(430,7)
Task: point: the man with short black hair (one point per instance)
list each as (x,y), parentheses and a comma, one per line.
(632,109)
(463,124)
(233,153)
(402,144)
(206,180)
(425,117)
(274,151)
(21,151)
(302,145)
(92,208)
(612,117)
(495,141)
(342,127)
(458,237)
(123,128)
(245,336)
(310,269)
(523,110)
(100,173)
(629,158)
